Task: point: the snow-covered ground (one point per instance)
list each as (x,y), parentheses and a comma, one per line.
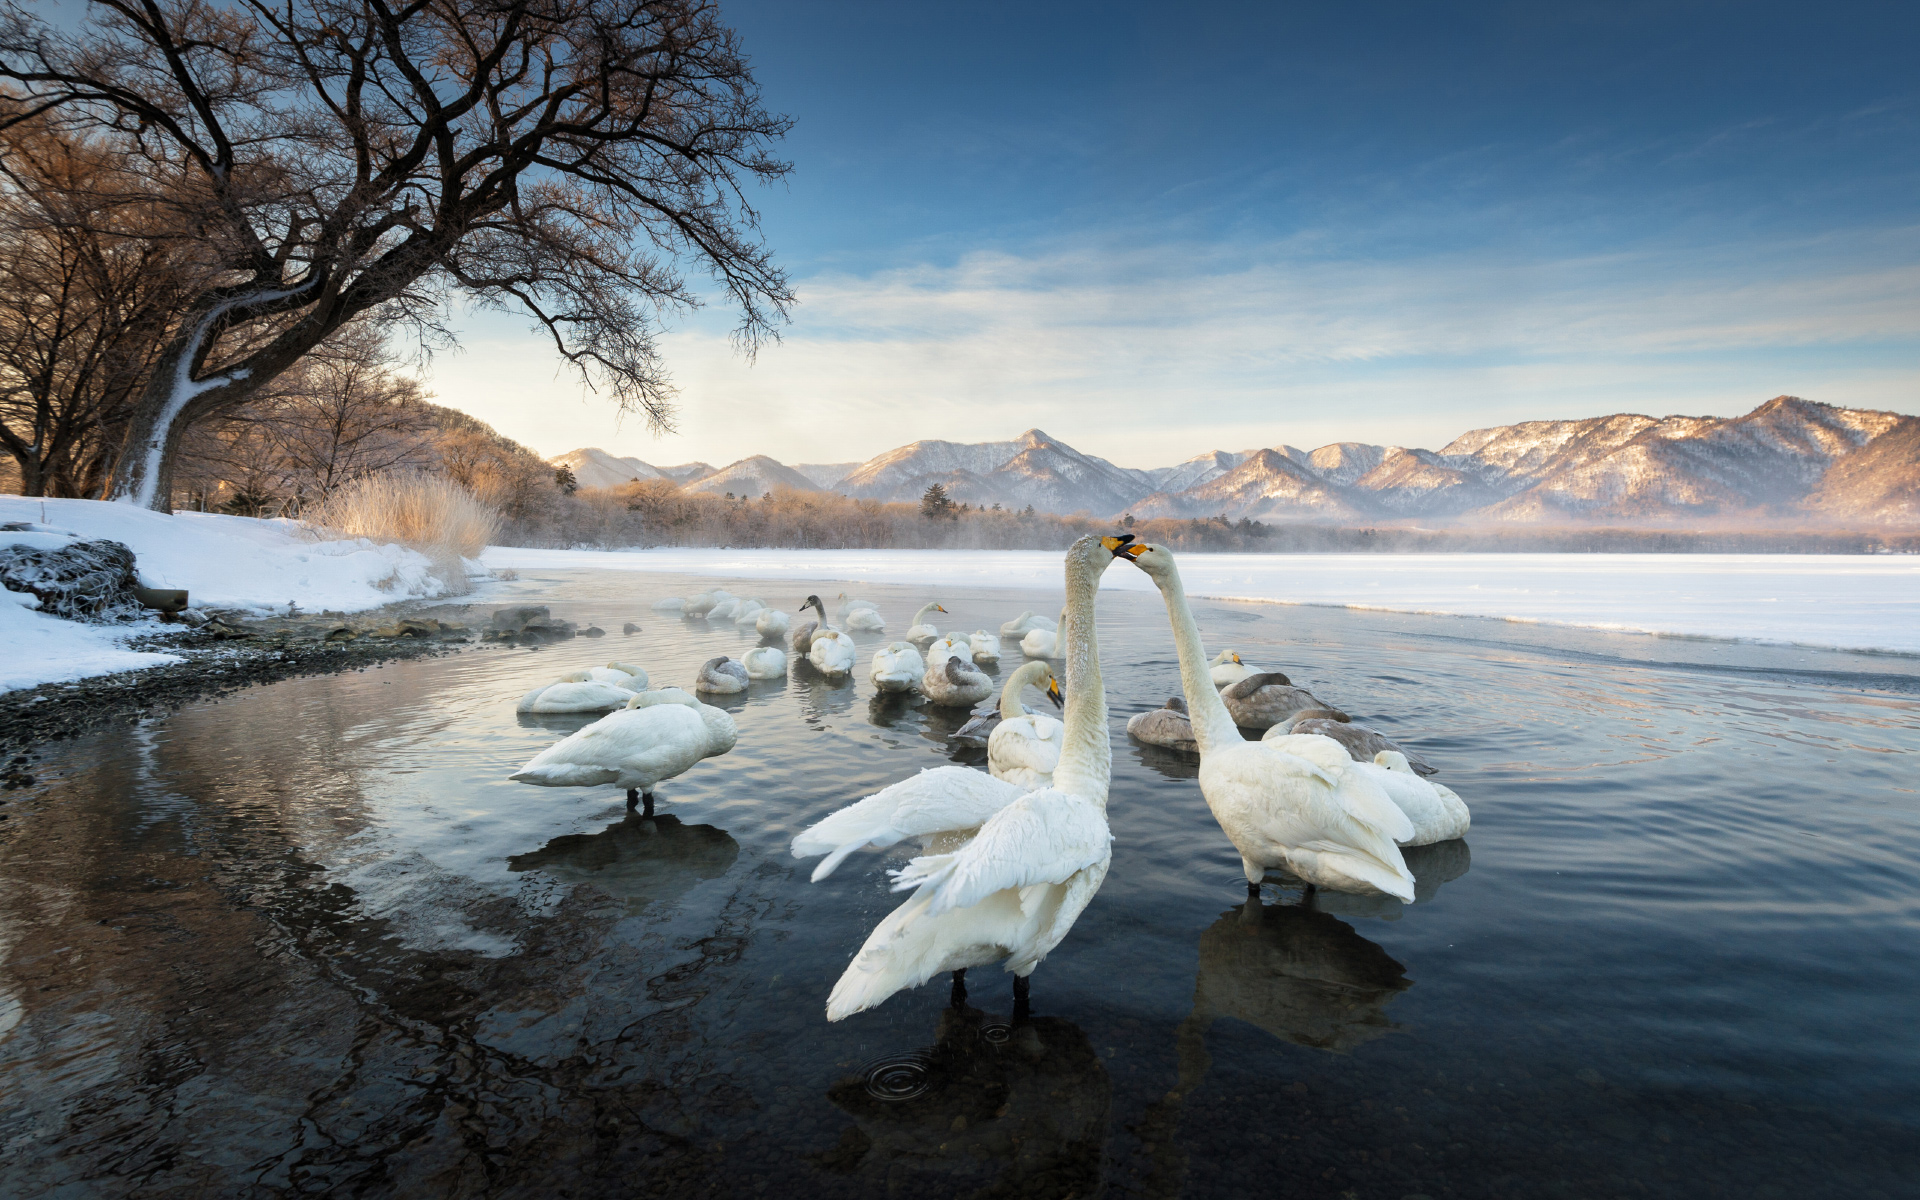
(222,562)
(1857,602)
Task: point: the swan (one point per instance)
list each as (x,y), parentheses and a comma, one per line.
(1305,807)
(724,610)
(848,604)
(765,662)
(866,620)
(772,623)
(804,631)
(1025,747)
(919,631)
(985,646)
(956,683)
(1437,813)
(672,604)
(1268,699)
(748,612)
(658,735)
(1363,742)
(953,645)
(619,677)
(1164,726)
(1228,669)
(1042,643)
(1012,890)
(721,675)
(898,668)
(1025,624)
(832,653)
(634,671)
(701,604)
(574,692)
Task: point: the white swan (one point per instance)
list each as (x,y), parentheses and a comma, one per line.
(898,668)
(619,677)
(672,604)
(1025,624)
(748,612)
(1042,643)
(956,682)
(721,675)
(657,736)
(1013,890)
(943,648)
(723,610)
(866,620)
(848,604)
(764,662)
(1025,747)
(636,675)
(832,653)
(701,604)
(1436,812)
(1304,808)
(772,623)
(919,631)
(985,646)
(1228,669)
(574,692)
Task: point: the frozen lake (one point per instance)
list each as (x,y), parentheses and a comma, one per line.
(1853,602)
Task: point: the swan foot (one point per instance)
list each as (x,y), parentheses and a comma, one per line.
(958,996)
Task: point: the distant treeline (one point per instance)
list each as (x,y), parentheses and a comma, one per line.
(659,513)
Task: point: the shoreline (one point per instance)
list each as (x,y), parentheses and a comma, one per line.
(253,651)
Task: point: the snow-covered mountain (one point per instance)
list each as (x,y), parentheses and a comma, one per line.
(593,467)
(753,477)
(1789,458)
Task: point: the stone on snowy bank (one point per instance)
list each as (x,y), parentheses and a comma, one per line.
(82,581)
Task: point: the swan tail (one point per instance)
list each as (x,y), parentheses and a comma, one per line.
(928,871)
(564,775)
(892,959)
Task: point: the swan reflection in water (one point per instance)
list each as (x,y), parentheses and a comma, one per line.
(1006,1109)
(637,859)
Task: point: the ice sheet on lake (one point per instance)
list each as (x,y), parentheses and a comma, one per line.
(1856,602)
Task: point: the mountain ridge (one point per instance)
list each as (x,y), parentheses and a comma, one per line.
(1788,458)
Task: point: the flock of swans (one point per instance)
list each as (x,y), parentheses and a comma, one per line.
(1013,855)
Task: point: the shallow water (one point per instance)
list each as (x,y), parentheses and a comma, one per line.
(309,939)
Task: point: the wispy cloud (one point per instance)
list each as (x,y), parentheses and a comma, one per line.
(1152,354)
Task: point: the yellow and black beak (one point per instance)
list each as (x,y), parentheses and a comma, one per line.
(1237,662)
(938,609)
(1053,693)
(1123,546)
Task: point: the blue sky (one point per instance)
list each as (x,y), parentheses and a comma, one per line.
(1156,230)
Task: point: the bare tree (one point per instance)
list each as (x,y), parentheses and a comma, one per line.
(342,158)
(87,297)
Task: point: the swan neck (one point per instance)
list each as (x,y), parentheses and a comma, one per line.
(1206,711)
(920,618)
(1010,695)
(1086,757)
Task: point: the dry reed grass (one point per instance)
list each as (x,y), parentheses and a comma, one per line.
(428,513)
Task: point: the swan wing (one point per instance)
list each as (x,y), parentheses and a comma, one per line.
(1042,837)
(937,800)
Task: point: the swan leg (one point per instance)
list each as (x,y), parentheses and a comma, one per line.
(1253,890)
(958,997)
(1021,987)
(634,799)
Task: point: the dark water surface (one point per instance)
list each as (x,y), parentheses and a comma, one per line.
(310,940)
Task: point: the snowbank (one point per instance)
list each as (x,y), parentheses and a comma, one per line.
(1854,602)
(222,562)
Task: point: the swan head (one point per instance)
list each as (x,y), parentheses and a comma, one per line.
(1155,560)
(813,602)
(1176,704)
(1227,656)
(575,677)
(1393,760)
